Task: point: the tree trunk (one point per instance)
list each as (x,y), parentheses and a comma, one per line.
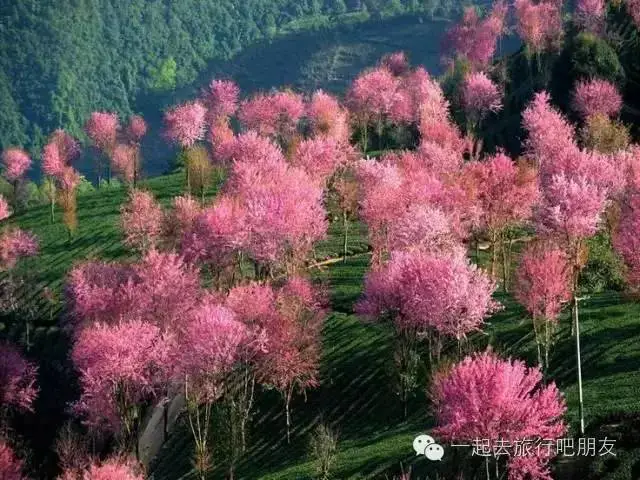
(287,408)
(345,224)
(579,361)
(15,195)
(53,207)
(365,138)
(165,421)
(505,267)
(494,254)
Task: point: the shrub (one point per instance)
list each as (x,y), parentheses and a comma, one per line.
(323,447)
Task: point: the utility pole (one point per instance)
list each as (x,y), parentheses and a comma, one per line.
(577,332)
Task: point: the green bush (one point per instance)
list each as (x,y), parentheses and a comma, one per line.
(604,269)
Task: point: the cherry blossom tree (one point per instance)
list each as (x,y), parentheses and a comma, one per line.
(626,239)
(217,237)
(221,99)
(539,24)
(552,147)
(124,160)
(5,210)
(127,159)
(10,465)
(273,115)
(222,140)
(292,359)
(320,157)
(372,97)
(543,287)
(159,289)
(550,136)
(185,124)
(214,338)
(94,293)
(436,294)
(180,220)
(141,219)
(15,163)
(327,117)
(506,192)
(571,210)
(474,38)
(382,197)
(424,96)
(102,129)
(57,158)
(345,193)
(136,129)
(485,397)
(423,228)
(110,469)
(18,389)
(633,8)
(396,62)
(590,15)
(284,213)
(480,97)
(596,97)
(121,367)
(14,245)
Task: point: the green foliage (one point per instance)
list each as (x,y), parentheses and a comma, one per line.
(29,195)
(605,269)
(62,59)
(113,184)
(164,77)
(591,56)
(86,186)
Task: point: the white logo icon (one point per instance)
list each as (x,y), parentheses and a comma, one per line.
(427,446)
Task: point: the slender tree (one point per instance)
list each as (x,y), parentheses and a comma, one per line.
(543,286)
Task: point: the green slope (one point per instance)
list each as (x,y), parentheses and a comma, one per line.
(355,395)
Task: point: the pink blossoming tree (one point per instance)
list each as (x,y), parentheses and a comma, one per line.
(18,388)
(10,465)
(14,245)
(5,210)
(539,24)
(15,163)
(121,367)
(507,193)
(102,129)
(110,469)
(485,397)
(590,15)
(327,117)
(543,287)
(214,338)
(185,124)
(480,97)
(596,97)
(141,219)
(273,115)
(474,38)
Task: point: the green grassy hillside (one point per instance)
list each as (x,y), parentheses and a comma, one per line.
(355,395)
